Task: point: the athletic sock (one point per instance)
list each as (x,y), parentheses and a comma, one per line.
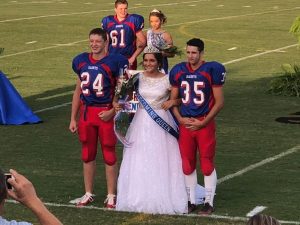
(191,183)
(210,183)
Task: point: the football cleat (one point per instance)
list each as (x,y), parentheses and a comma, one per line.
(84,200)
(110,201)
(206,210)
(191,207)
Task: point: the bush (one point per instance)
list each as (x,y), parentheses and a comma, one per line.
(295,29)
(287,84)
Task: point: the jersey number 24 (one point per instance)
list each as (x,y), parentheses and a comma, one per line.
(97,84)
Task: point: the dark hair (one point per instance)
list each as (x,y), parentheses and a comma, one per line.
(3,191)
(117,2)
(100,32)
(158,14)
(158,56)
(197,43)
(261,219)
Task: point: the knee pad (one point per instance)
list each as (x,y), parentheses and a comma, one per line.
(207,166)
(188,166)
(86,155)
(109,155)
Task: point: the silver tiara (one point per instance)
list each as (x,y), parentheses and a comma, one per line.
(150,49)
(155,10)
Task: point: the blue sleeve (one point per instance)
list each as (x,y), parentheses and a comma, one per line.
(218,73)
(138,22)
(120,63)
(75,65)
(104,23)
(172,76)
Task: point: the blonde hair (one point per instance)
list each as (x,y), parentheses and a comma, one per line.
(261,219)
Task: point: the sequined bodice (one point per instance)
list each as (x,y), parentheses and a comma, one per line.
(154,90)
(155,40)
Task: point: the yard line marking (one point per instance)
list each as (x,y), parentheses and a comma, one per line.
(30,42)
(155,5)
(231,17)
(259,164)
(53,107)
(41,49)
(76,42)
(231,49)
(256,210)
(259,54)
(96,11)
(55,96)
(214,216)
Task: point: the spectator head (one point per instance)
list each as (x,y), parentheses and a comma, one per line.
(261,219)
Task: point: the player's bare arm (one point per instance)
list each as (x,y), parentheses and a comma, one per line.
(25,193)
(195,124)
(141,43)
(75,107)
(175,96)
(168,38)
(170,103)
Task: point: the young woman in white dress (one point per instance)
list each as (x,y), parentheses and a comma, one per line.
(151,178)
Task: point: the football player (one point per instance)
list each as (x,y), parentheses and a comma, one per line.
(125,33)
(199,84)
(92,99)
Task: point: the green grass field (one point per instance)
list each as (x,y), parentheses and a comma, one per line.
(250,37)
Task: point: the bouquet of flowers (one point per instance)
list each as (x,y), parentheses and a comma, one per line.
(126,85)
(172,50)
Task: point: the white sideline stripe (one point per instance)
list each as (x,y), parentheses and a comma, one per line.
(256,210)
(259,54)
(231,218)
(236,60)
(136,7)
(259,164)
(76,42)
(41,49)
(53,107)
(231,17)
(95,11)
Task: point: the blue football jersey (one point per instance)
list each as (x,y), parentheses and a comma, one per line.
(195,86)
(98,77)
(122,34)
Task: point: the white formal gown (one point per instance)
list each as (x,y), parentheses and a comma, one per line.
(151,178)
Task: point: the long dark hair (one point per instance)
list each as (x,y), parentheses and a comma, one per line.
(158,56)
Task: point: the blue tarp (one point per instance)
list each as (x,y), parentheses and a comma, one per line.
(13,109)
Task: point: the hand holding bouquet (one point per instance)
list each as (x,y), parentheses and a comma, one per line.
(126,84)
(171,51)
